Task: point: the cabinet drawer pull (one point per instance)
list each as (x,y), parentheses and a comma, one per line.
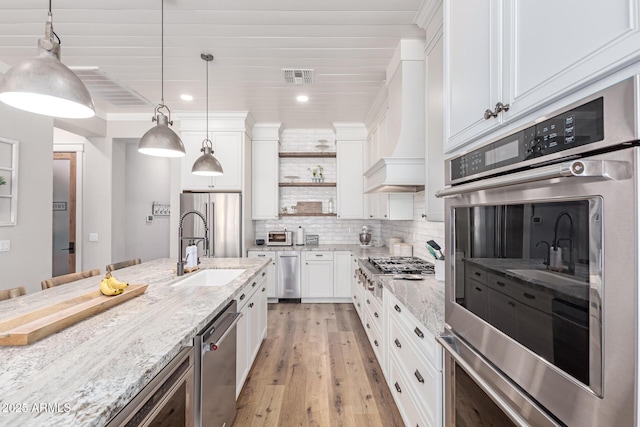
(376,343)
(264,273)
(368,302)
(398,387)
(478,289)
(529,296)
(242,297)
(368,327)
(398,309)
(501,284)
(320,255)
(418,332)
(375,314)
(418,376)
(512,304)
(261,255)
(251,305)
(253,285)
(263,289)
(358,304)
(397,343)
(477,274)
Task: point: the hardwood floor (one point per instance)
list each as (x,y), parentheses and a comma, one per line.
(316,368)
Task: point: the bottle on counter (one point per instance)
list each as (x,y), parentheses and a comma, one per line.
(331,208)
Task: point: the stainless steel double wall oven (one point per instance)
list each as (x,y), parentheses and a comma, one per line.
(541,300)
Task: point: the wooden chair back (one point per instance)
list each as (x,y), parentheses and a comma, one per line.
(123,264)
(66,278)
(12,293)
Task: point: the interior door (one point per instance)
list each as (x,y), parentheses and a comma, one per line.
(64,214)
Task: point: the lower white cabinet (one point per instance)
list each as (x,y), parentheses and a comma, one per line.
(272,269)
(317,275)
(252,326)
(415,367)
(342,275)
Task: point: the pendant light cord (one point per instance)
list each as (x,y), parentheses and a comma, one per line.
(53,32)
(161,52)
(207,118)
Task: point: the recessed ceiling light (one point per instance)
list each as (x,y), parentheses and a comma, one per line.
(302,98)
(186,97)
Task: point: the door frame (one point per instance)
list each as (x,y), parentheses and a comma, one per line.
(78,149)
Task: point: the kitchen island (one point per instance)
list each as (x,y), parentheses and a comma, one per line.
(86,373)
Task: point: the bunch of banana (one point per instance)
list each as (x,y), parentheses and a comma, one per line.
(109,285)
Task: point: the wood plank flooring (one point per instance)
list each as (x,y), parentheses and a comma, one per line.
(316,368)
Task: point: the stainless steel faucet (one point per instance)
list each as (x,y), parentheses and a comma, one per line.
(205,239)
(572,264)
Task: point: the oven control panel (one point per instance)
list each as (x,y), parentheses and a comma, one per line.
(579,126)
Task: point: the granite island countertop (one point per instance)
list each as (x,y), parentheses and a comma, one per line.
(89,371)
(423,298)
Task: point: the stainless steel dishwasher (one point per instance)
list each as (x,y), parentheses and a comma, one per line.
(289,275)
(215,403)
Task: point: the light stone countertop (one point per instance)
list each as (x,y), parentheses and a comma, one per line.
(356,250)
(423,298)
(98,365)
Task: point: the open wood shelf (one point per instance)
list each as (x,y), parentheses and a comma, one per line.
(312,154)
(307,184)
(308,214)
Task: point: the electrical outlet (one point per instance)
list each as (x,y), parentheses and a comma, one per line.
(93,237)
(350,230)
(5,245)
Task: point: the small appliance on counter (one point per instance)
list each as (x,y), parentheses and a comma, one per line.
(365,236)
(280,238)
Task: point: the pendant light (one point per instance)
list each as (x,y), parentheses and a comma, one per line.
(44,85)
(207,164)
(160,140)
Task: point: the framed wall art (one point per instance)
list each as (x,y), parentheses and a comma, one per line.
(8,181)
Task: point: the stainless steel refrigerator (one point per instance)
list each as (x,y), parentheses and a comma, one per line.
(223,212)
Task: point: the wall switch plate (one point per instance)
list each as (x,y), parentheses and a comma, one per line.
(149,218)
(5,245)
(93,237)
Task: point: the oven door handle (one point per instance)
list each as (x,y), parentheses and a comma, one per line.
(605,169)
(472,362)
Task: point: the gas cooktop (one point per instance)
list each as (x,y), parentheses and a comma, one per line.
(401,265)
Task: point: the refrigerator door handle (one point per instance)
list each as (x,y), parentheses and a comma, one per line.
(212,230)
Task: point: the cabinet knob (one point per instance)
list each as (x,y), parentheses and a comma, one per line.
(398,387)
(423,215)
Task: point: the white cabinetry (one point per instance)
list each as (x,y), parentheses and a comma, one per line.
(265,168)
(227,147)
(350,182)
(415,366)
(317,276)
(272,270)
(252,326)
(520,54)
(391,206)
(342,275)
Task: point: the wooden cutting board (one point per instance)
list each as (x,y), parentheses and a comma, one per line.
(30,327)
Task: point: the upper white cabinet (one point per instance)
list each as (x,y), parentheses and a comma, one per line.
(350,140)
(265,169)
(528,54)
(350,183)
(227,148)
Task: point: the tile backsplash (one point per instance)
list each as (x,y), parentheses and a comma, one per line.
(330,229)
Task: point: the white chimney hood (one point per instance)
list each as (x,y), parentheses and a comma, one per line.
(404,169)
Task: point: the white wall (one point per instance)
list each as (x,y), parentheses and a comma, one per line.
(118,200)
(29,260)
(147,180)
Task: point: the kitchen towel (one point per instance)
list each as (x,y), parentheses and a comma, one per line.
(191,259)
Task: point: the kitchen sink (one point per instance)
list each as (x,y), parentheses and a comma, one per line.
(548,277)
(210,277)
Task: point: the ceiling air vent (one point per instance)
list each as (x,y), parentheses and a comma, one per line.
(298,76)
(106,89)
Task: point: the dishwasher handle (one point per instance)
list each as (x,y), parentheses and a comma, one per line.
(208,346)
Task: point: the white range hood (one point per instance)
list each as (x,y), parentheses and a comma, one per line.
(404,170)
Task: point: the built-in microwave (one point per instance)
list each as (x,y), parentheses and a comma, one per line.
(541,290)
(280,238)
